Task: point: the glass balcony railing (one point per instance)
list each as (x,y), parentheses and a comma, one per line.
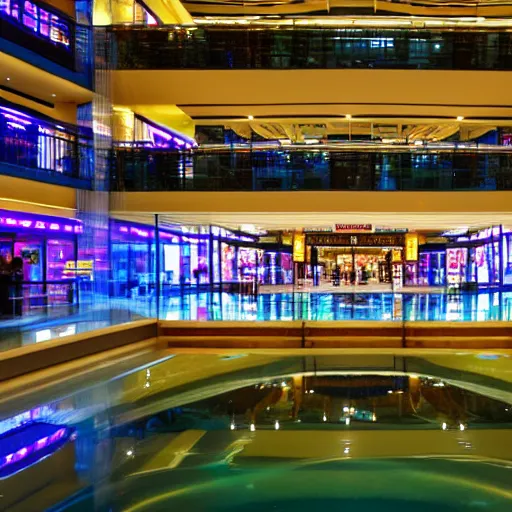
(41,35)
(55,158)
(400,168)
(318,48)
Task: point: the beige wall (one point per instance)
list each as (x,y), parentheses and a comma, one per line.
(290,210)
(67,6)
(62,111)
(358,92)
(289,202)
(33,196)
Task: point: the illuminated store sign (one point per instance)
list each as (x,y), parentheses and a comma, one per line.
(411,247)
(15,220)
(353,228)
(364,240)
(299,247)
(45,24)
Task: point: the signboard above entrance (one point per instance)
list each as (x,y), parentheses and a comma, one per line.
(365,240)
(353,228)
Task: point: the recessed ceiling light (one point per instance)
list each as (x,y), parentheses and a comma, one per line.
(250,118)
(8,79)
(54,95)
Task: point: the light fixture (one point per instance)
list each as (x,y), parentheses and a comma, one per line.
(347,421)
(276,425)
(462,427)
(252,428)
(348,116)
(444,426)
(251,118)
(232,426)
(129,453)
(460,118)
(324,417)
(54,95)
(8,79)
(346,451)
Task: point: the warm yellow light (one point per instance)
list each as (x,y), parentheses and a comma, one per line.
(348,116)
(250,118)
(460,118)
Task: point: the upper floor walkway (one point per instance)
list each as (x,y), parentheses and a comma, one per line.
(337,44)
(40,35)
(350,166)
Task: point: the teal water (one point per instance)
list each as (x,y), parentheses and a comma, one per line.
(211,432)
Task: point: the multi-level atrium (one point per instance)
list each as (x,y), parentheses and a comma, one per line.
(255,255)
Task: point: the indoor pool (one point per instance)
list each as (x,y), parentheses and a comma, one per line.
(258,432)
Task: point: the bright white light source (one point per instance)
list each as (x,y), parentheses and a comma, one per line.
(324,417)
(252,428)
(232,426)
(346,451)
(346,409)
(129,453)
(312,391)
(462,427)
(347,421)
(276,425)
(251,118)
(444,426)
(460,118)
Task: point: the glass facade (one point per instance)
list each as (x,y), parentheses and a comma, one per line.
(345,166)
(217,47)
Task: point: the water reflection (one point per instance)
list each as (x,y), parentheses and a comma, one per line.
(348,306)
(202,432)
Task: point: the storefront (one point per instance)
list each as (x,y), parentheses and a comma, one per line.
(356,258)
(432,265)
(474,259)
(48,249)
(191,257)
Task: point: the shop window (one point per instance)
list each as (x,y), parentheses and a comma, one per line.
(59,253)
(30,16)
(31,252)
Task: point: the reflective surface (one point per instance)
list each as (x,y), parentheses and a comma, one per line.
(375,168)
(265,432)
(340,306)
(299,48)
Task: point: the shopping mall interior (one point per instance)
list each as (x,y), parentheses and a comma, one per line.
(255,255)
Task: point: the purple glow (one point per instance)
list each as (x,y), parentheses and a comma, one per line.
(161,133)
(140,232)
(30,221)
(15,112)
(22,453)
(37,20)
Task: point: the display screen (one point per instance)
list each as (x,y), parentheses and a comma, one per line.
(456,265)
(172,263)
(507,259)
(247,262)
(228,261)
